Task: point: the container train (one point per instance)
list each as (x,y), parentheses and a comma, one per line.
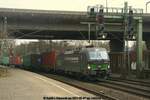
(84,62)
(11,60)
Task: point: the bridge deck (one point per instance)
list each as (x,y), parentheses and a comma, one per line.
(56,24)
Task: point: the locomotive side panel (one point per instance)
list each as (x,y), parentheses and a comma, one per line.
(69,62)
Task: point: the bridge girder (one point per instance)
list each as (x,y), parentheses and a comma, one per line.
(57,22)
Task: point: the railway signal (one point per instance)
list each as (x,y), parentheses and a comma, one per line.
(92,12)
(130,24)
(100,22)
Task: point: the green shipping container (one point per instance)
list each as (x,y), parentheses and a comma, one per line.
(5,60)
(27,61)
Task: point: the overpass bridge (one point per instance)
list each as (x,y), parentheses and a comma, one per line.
(47,24)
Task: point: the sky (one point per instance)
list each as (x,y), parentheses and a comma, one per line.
(71,5)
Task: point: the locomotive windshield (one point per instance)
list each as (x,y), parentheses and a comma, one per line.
(98,55)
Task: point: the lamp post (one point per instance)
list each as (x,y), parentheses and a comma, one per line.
(147,5)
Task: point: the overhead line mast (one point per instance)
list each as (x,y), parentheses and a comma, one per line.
(6,45)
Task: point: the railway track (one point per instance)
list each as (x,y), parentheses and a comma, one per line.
(131,81)
(133,87)
(81,86)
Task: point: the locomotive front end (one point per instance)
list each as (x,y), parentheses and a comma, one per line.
(98,63)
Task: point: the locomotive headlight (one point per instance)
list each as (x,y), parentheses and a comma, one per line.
(89,66)
(99,66)
(108,66)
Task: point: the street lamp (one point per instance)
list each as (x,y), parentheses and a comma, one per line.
(147,5)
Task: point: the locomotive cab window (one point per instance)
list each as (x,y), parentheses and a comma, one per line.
(98,55)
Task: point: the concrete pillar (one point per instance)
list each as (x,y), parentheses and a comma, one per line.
(139,47)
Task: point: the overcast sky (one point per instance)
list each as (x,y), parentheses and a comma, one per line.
(73,5)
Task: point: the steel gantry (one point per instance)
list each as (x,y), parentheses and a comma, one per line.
(3,38)
(5,43)
(132,21)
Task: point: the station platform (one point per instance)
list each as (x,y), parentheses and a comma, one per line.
(24,85)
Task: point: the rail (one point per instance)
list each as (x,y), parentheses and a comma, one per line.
(142,90)
(80,86)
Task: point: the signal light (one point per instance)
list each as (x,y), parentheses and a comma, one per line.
(92,12)
(130,23)
(100,22)
(100,16)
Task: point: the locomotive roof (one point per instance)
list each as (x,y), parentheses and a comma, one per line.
(84,50)
(95,48)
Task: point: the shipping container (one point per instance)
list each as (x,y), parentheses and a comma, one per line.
(27,61)
(5,60)
(15,60)
(48,60)
(11,60)
(36,61)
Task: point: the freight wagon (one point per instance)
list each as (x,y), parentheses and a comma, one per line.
(48,60)
(15,60)
(32,61)
(36,61)
(85,62)
(26,62)
(11,60)
(5,60)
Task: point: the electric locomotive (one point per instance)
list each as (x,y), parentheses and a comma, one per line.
(87,61)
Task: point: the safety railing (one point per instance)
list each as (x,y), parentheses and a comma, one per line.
(112,10)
